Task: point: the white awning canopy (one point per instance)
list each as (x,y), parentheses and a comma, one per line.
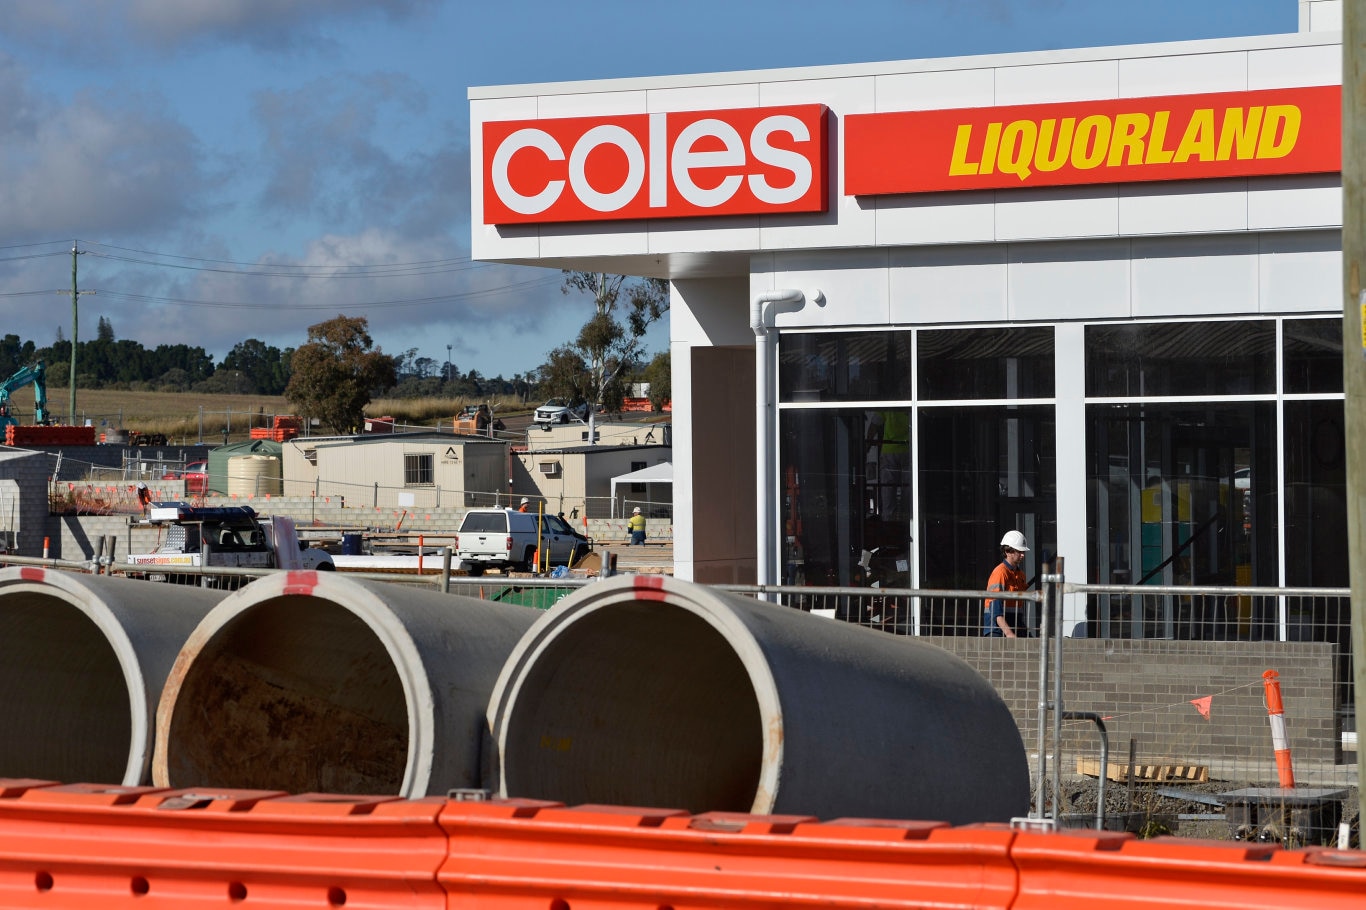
(655,473)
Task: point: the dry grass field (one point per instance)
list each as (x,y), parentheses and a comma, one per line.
(187,417)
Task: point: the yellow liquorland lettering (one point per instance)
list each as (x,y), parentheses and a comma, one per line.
(1050,155)
(1280,131)
(1017,148)
(1091,142)
(1240,129)
(1158,153)
(959,165)
(1130,131)
(1198,140)
(989,147)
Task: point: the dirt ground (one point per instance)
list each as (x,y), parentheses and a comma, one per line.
(1157,809)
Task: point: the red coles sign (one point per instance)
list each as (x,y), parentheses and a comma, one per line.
(1177,137)
(676,165)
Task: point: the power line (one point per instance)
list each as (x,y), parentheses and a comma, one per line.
(333,305)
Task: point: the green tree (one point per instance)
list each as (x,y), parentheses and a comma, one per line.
(658,375)
(337,372)
(264,365)
(611,343)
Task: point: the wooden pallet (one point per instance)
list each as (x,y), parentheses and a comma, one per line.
(1146,774)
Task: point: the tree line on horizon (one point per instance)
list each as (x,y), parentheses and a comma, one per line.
(252,367)
(338,371)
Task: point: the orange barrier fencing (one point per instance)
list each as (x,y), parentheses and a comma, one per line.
(521,853)
(98,846)
(1072,870)
(277,434)
(49,436)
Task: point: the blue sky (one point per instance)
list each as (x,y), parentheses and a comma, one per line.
(246,168)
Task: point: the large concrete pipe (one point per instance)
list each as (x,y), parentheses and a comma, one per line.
(82,662)
(314,682)
(651,691)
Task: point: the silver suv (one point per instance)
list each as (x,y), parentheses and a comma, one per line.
(558,410)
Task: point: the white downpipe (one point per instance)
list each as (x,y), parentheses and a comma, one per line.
(765,430)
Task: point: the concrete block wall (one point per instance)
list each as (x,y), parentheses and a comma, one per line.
(23,499)
(1145,690)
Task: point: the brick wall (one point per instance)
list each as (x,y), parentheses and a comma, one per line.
(1144,689)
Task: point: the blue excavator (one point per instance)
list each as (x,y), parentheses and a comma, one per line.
(36,376)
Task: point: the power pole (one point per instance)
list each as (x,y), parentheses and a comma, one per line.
(1354,338)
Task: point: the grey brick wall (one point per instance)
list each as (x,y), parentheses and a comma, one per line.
(1144,689)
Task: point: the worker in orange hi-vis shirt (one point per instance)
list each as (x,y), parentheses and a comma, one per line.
(999,616)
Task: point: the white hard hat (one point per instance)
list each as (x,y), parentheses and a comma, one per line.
(636,510)
(141,485)
(525,500)
(1016,541)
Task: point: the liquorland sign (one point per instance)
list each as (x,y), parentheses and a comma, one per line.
(666,165)
(1181,137)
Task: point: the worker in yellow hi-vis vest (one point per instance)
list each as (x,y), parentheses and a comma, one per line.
(889,440)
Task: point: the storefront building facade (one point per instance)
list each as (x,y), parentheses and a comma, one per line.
(1094,295)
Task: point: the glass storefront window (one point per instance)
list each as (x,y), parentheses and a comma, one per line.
(1182,495)
(1316,553)
(1186,358)
(844,366)
(967,364)
(983,471)
(1313,355)
(846,489)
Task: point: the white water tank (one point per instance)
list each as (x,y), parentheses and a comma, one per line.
(255,475)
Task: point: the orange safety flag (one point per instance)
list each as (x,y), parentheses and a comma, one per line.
(1202,705)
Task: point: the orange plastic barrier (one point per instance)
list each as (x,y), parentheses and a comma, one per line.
(97,846)
(1073,870)
(524,853)
(278,434)
(49,436)
(88,846)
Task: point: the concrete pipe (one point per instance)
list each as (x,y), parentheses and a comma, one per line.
(82,662)
(650,691)
(310,681)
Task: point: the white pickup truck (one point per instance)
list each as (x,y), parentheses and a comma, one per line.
(231,536)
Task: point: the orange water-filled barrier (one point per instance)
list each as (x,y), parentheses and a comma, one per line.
(94,845)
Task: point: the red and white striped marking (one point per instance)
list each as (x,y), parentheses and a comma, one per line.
(1275,711)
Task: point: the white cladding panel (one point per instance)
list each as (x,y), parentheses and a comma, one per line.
(1047,214)
(1194,275)
(1088,279)
(1158,277)
(1289,67)
(936,90)
(854,284)
(1200,205)
(1295,202)
(1049,82)
(948,284)
(1174,75)
(1300,273)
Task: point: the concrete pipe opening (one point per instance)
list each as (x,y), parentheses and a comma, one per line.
(82,662)
(337,686)
(658,692)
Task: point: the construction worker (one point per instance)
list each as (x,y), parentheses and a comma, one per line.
(525,506)
(1000,615)
(144,497)
(636,525)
